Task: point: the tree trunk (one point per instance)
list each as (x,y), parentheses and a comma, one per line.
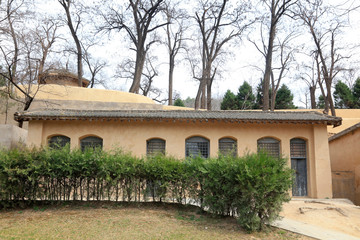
(197,98)
(329,98)
(76,40)
(28,101)
(79,63)
(6,109)
(273,98)
(209,81)
(16,48)
(203,95)
(312,97)
(42,62)
(139,65)
(208,97)
(171,73)
(268,66)
(326,102)
(199,95)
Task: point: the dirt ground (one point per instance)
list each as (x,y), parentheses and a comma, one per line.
(103,220)
(334,214)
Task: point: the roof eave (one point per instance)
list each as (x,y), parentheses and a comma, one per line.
(19,117)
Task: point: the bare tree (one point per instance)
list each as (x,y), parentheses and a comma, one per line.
(12,14)
(315,15)
(309,75)
(24,52)
(283,55)
(11,51)
(150,72)
(148,77)
(74,27)
(46,33)
(138,24)
(218,25)
(175,39)
(305,102)
(277,9)
(350,76)
(285,59)
(94,65)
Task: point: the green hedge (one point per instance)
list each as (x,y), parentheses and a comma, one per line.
(251,188)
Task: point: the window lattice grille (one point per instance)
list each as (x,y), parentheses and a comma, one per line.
(228,146)
(269,145)
(197,146)
(91,142)
(155,146)
(298,148)
(58,141)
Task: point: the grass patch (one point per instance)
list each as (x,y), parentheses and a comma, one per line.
(104,220)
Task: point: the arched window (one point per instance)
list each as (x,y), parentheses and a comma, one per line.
(155,146)
(269,145)
(228,146)
(58,141)
(197,146)
(298,148)
(91,142)
(298,164)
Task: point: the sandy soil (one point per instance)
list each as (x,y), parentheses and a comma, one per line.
(334,214)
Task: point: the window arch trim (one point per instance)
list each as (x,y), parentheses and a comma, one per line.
(197,145)
(155,146)
(58,140)
(270,145)
(298,148)
(228,145)
(92,141)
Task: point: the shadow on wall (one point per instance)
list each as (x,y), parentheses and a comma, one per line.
(12,136)
(346,184)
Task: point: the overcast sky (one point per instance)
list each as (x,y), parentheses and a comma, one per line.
(238,68)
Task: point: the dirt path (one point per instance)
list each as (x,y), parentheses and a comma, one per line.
(333,214)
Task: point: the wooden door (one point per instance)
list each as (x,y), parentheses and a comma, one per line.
(298,164)
(300,181)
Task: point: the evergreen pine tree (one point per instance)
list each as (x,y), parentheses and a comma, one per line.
(178,102)
(356,93)
(343,96)
(284,98)
(229,101)
(245,97)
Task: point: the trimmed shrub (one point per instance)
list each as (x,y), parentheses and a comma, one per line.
(264,183)
(251,188)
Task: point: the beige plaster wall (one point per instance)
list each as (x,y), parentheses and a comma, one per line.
(345,157)
(322,166)
(12,136)
(132,136)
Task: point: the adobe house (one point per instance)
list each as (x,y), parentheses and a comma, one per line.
(345,163)
(63,113)
(300,136)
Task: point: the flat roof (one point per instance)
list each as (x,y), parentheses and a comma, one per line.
(306,117)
